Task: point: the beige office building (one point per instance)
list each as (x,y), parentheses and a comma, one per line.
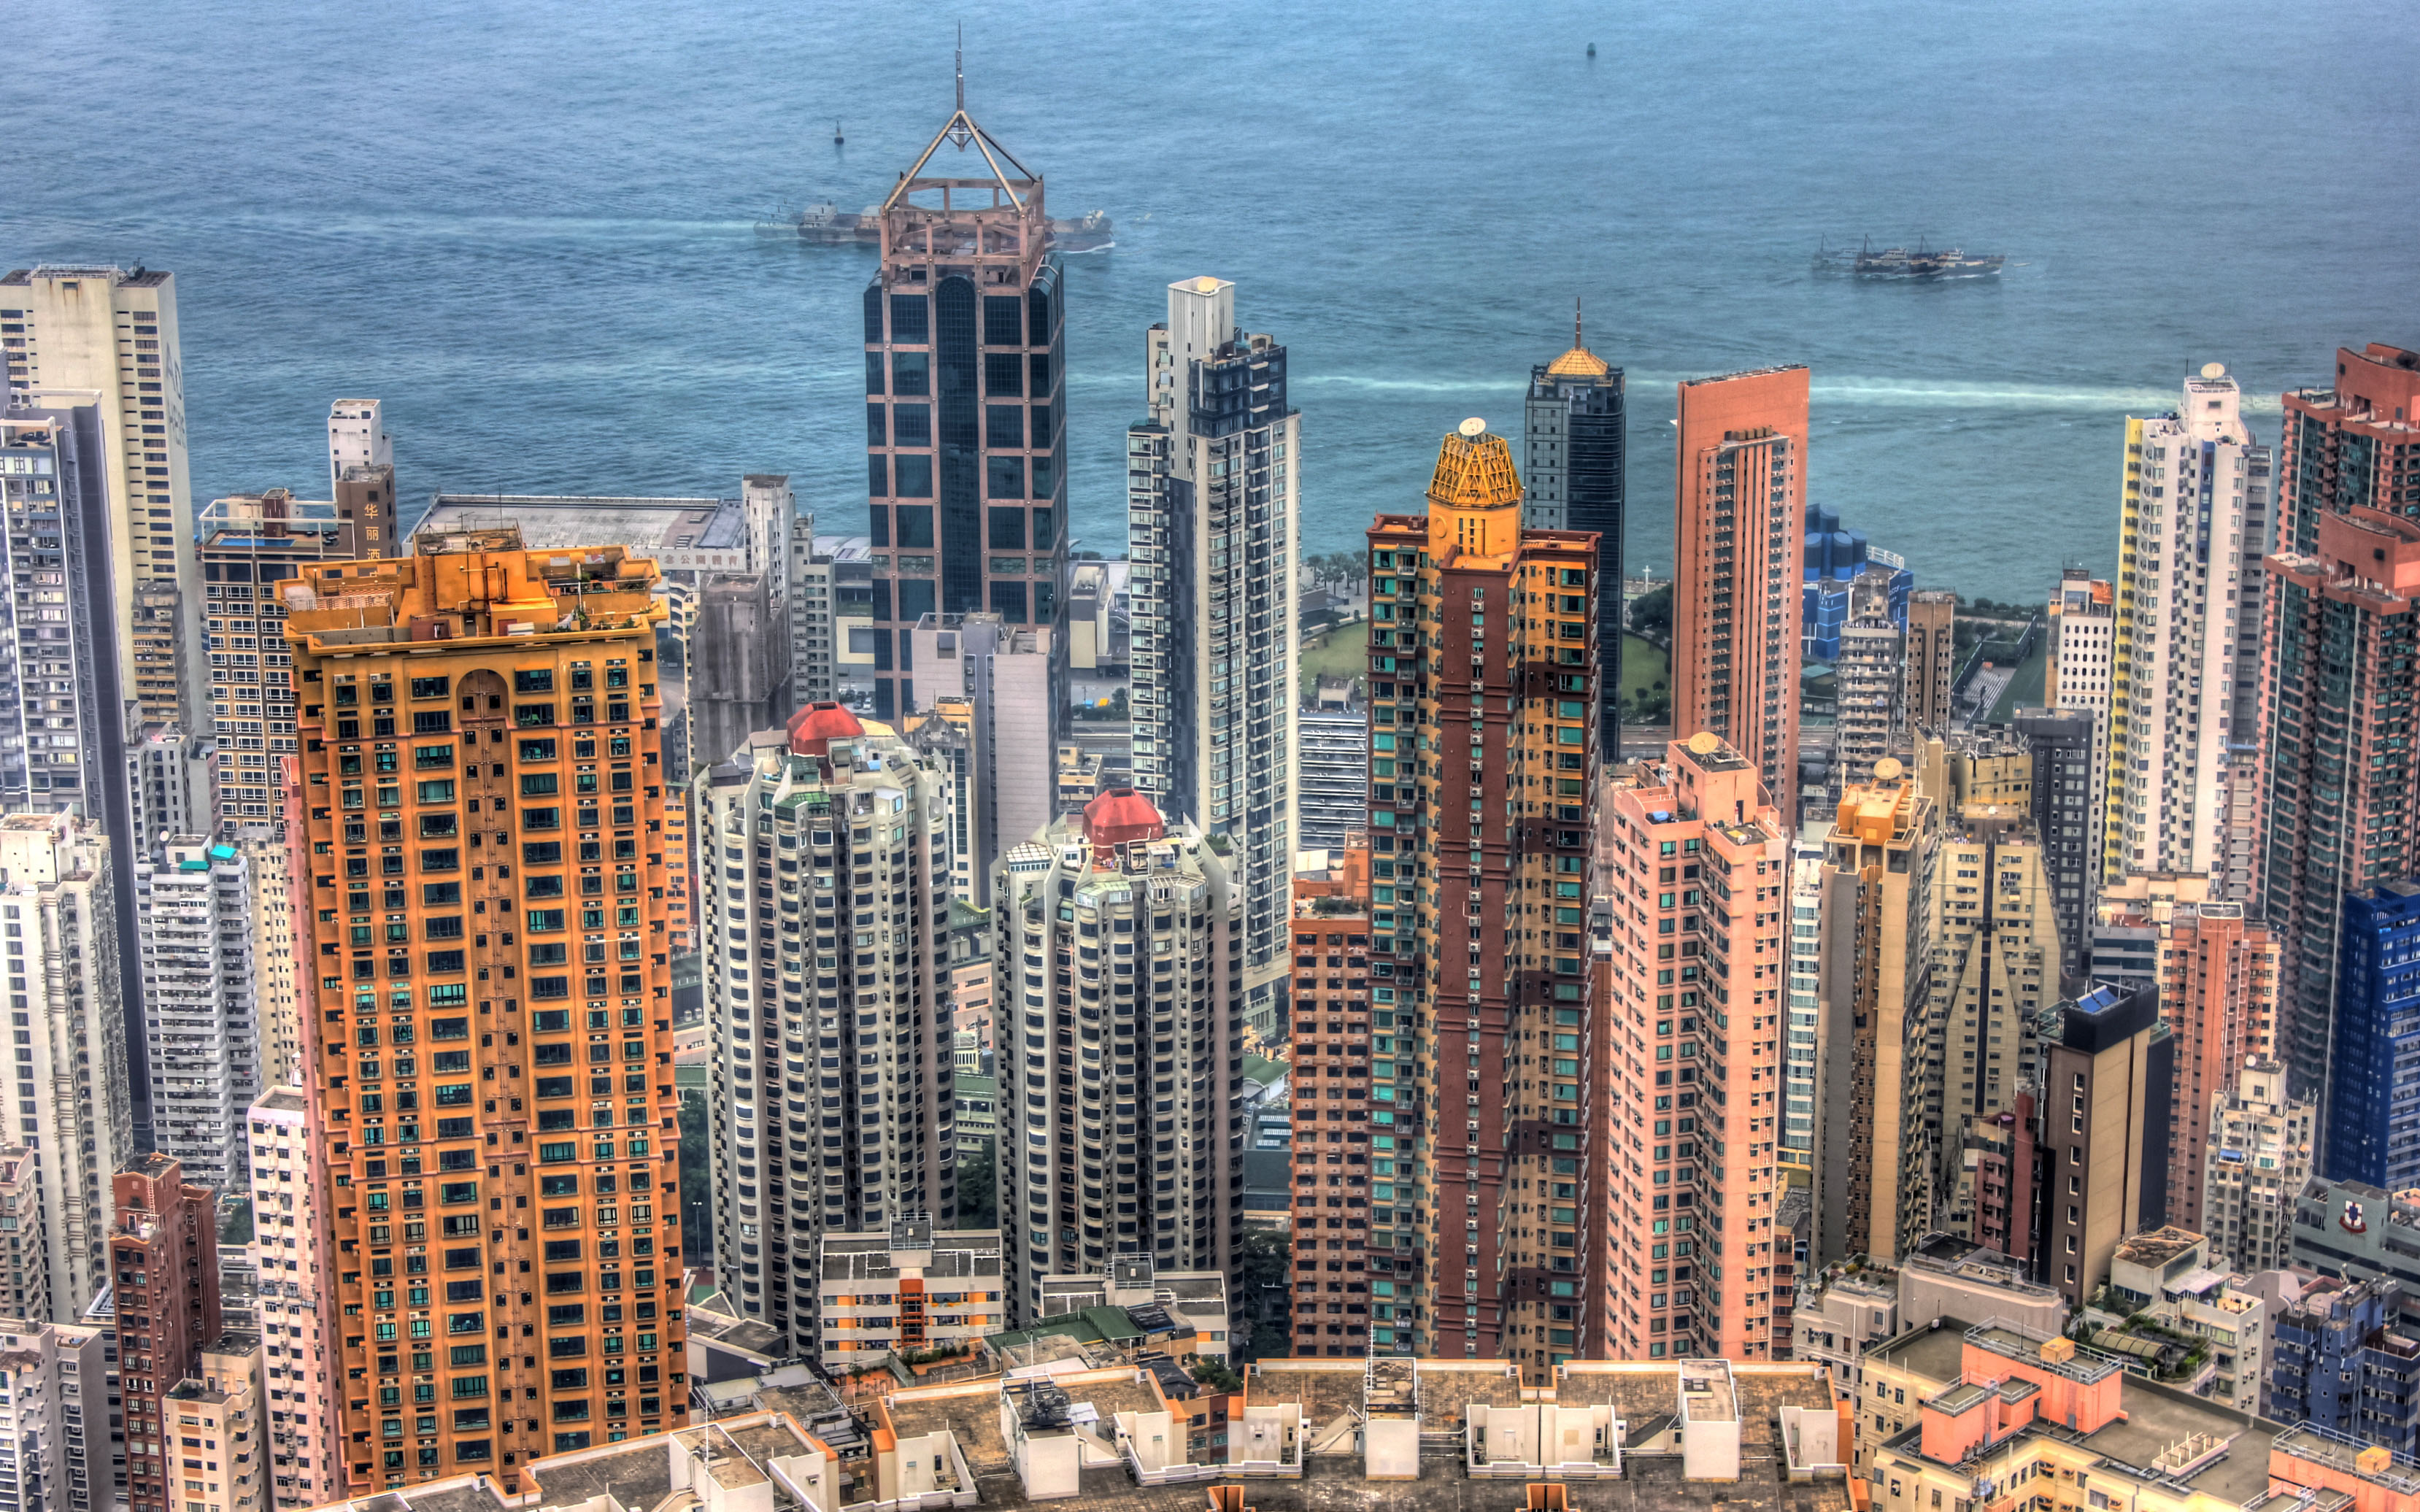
(71,333)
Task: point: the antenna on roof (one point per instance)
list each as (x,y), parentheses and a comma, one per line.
(1576,322)
(962,65)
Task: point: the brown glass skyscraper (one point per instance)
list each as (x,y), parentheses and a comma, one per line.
(965,457)
(481,923)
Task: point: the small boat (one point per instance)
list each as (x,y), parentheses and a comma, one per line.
(837,138)
(1924,264)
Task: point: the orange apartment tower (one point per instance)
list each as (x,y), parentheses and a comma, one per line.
(1701,884)
(1483,744)
(1739,498)
(487,1000)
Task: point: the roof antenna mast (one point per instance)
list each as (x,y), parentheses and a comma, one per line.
(962,66)
(1576,322)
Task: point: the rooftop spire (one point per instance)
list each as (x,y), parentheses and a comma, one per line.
(1577,345)
(962,66)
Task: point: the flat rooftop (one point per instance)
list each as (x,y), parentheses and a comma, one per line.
(553,522)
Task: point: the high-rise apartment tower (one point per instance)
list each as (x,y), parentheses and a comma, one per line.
(1689,1201)
(2337,665)
(1214,494)
(482,792)
(1123,938)
(1483,769)
(2184,658)
(826,893)
(1736,599)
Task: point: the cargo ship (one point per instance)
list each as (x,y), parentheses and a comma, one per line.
(1924,263)
(826,225)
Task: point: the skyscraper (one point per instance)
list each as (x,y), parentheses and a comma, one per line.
(1485,679)
(2066,825)
(2102,1141)
(2258,1151)
(965,453)
(107,336)
(1932,665)
(476,672)
(1871,722)
(2082,636)
(2184,658)
(201,1008)
(298,1314)
(841,946)
(1736,596)
(58,889)
(1342,1138)
(1689,1204)
(2337,660)
(1575,448)
(1213,491)
(164,1257)
(1005,678)
(2218,995)
(357,438)
(1124,936)
(2373,1123)
(1996,953)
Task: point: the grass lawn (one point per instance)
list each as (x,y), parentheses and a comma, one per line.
(1341,651)
(1643,664)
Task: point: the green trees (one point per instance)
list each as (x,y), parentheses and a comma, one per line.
(697,1200)
(1259,1307)
(977,1194)
(1651,614)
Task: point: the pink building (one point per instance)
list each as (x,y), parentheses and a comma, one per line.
(1700,875)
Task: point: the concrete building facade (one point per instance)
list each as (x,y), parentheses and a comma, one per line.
(107,336)
(201,1004)
(297,1275)
(1931,659)
(1000,686)
(73,1105)
(2194,517)
(2076,675)
(826,909)
(1695,1063)
(1121,1130)
(2257,1156)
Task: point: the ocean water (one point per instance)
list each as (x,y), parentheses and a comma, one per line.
(530,228)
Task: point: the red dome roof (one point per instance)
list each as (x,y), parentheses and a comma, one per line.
(814,728)
(1119,817)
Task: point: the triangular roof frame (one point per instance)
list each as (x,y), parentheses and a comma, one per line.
(960,132)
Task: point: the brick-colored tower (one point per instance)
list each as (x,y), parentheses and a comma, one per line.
(2337,693)
(489,1012)
(163,1254)
(1736,598)
(2218,991)
(1483,672)
(1334,1205)
(1701,880)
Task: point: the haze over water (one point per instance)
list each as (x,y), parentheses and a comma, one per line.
(529,227)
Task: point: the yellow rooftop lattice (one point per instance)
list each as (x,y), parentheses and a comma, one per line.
(1475,496)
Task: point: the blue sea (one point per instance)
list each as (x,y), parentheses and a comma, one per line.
(530,228)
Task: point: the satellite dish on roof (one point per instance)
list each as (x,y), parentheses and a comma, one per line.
(1474,426)
(2213,370)
(1889,769)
